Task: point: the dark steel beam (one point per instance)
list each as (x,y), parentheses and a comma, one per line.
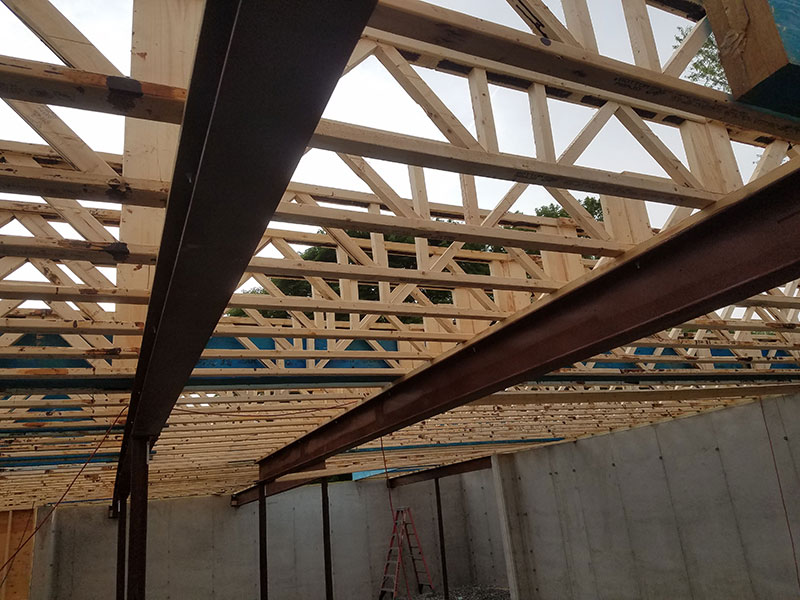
(262,544)
(442,550)
(246,125)
(121,510)
(270,489)
(467,466)
(747,243)
(216,31)
(326,539)
(137,538)
(685,8)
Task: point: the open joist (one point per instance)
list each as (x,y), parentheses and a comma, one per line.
(384,145)
(427,24)
(421,23)
(204,452)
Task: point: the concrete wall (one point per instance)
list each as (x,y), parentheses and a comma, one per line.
(692,508)
(486,559)
(699,508)
(201,548)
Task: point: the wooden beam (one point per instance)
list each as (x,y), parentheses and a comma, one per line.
(526,240)
(622,396)
(374,143)
(46,83)
(487,41)
(58,183)
(50,292)
(437,26)
(60,35)
(64,326)
(354,139)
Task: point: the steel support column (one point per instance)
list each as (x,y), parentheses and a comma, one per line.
(326,540)
(442,550)
(745,244)
(121,509)
(262,543)
(137,537)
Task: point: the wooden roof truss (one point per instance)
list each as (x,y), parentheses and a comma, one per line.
(266,381)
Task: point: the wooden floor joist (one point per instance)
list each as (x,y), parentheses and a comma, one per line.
(369,273)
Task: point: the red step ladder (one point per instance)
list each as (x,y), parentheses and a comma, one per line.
(404,532)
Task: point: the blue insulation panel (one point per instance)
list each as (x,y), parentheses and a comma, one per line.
(787,20)
(17,462)
(779,92)
(40,340)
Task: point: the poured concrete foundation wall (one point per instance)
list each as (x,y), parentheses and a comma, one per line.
(692,508)
(201,548)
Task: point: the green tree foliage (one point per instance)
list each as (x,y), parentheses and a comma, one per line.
(706,68)
(590,203)
(301,287)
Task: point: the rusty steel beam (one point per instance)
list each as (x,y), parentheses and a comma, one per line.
(270,489)
(685,8)
(747,243)
(467,466)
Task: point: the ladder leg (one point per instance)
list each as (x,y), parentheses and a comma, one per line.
(404,532)
(389,583)
(421,583)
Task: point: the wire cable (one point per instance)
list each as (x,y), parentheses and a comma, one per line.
(394,521)
(386,474)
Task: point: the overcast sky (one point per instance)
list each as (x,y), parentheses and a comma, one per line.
(369,96)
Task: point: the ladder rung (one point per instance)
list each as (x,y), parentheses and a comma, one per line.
(404,533)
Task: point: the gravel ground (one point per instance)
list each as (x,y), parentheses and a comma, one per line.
(471,593)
